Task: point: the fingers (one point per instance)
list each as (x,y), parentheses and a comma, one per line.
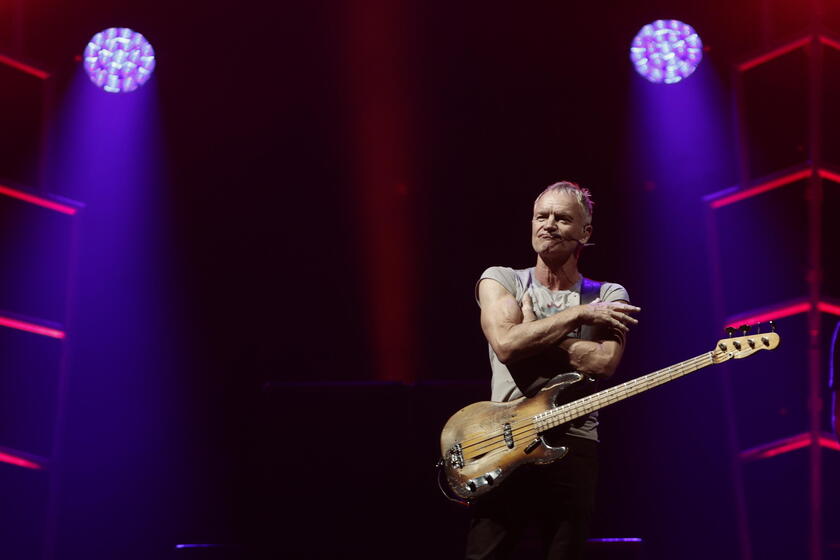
(615,323)
(528,314)
(626,308)
(613,314)
(624,317)
(621,306)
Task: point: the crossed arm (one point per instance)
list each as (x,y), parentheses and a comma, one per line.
(515,333)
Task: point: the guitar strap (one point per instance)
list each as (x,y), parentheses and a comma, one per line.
(590,290)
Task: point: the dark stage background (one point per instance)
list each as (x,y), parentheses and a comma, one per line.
(275,315)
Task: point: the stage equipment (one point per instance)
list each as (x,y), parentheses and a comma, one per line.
(832,384)
(666,51)
(119,60)
(788,154)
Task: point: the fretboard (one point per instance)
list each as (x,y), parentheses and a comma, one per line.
(581,407)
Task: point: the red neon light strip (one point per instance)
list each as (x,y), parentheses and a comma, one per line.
(788,444)
(829,443)
(830,175)
(19,461)
(786,311)
(784,49)
(14,193)
(775,53)
(37,72)
(777,447)
(763,187)
(828,308)
(828,41)
(31,327)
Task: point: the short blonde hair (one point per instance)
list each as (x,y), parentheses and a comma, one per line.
(582,195)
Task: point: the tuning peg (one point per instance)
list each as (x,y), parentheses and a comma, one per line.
(772,326)
(730,331)
(745,330)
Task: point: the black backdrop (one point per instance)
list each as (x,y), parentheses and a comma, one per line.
(268,285)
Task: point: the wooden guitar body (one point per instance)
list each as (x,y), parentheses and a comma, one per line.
(504,443)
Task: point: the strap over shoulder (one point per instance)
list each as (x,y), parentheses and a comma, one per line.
(590,290)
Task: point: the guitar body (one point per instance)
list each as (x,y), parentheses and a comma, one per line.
(481,462)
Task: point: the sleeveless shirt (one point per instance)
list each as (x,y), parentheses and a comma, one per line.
(533,373)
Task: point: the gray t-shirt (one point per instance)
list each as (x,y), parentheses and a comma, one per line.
(531,371)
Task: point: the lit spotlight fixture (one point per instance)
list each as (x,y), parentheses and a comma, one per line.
(666,51)
(119,59)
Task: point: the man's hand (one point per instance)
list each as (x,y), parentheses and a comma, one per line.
(528,314)
(613,314)
(600,358)
(512,328)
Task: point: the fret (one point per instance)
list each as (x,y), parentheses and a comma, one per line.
(586,405)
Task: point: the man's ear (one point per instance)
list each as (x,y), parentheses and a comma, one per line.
(587,233)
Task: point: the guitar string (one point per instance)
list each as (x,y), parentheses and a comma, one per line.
(528,422)
(576,409)
(634,386)
(529,426)
(638,385)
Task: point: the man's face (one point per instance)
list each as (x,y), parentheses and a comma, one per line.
(558,225)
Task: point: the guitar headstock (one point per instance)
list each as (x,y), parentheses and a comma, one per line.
(743,346)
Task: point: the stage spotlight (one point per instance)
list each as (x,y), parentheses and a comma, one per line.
(119,60)
(666,51)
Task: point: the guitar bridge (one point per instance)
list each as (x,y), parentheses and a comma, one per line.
(456,456)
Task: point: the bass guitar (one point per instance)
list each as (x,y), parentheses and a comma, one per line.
(483,443)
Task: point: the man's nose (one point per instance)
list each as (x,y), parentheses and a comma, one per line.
(551,222)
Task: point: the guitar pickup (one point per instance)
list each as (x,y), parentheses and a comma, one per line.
(508,433)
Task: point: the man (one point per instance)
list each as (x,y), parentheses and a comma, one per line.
(541,322)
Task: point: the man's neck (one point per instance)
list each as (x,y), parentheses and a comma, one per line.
(557,276)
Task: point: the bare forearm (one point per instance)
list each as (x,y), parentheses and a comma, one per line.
(526,339)
(514,332)
(598,358)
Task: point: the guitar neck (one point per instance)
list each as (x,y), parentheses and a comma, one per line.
(581,407)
